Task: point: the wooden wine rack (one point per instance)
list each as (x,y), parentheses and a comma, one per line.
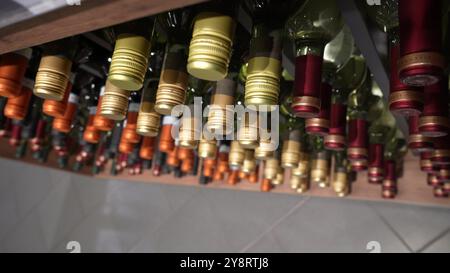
(96,14)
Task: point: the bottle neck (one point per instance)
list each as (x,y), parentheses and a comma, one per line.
(310,47)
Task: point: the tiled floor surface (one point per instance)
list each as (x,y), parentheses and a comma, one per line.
(42,210)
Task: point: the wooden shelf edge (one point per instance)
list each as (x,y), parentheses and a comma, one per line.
(72,20)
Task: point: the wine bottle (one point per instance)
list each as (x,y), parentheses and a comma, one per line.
(57,108)
(336,54)
(403,99)
(221,114)
(292,146)
(236,155)
(416,141)
(320,163)
(262,85)
(207,148)
(174,78)
(166,141)
(189,133)
(247,134)
(394,153)
(129,130)
(348,78)
(340,181)
(357,123)
(149,120)
(129,61)
(311,28)
(212,40)
(101,122)
(17,107)
(54,69)
(249,164)
(434,121)
(380,130)
(147,148)
(12,71)
(441,152)
(422,62)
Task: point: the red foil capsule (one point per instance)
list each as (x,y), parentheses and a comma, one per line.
(416,141)
(441,153)
(335,140)
(376,163)
(12,71)
(444,174)
(389,186)
(440,193)
(446,188)
(425,162)
(434,121)
(420,22)
(6,128)
(39,135)
(403,100)
(16,135)
(17,107)
(320,125)
(432,180)
(359,165)
(357,139)
(308,78)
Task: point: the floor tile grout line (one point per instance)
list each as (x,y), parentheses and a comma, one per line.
(434,240)
(391,228)
(275,223)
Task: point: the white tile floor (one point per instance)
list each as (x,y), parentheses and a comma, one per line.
(42,210)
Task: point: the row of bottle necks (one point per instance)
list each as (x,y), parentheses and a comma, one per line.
(123,149)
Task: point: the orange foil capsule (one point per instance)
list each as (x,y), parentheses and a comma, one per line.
(17,107)
(64,124)
(254,176)
(208,167)
(101,122)
(172,158)
(185,153)
(166,141)
(126,147)
(266,185)
(187,165)
(55,108)
(129,130)
(147,148)
(91,134)
(218,176)
(12,71)
(233,178)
